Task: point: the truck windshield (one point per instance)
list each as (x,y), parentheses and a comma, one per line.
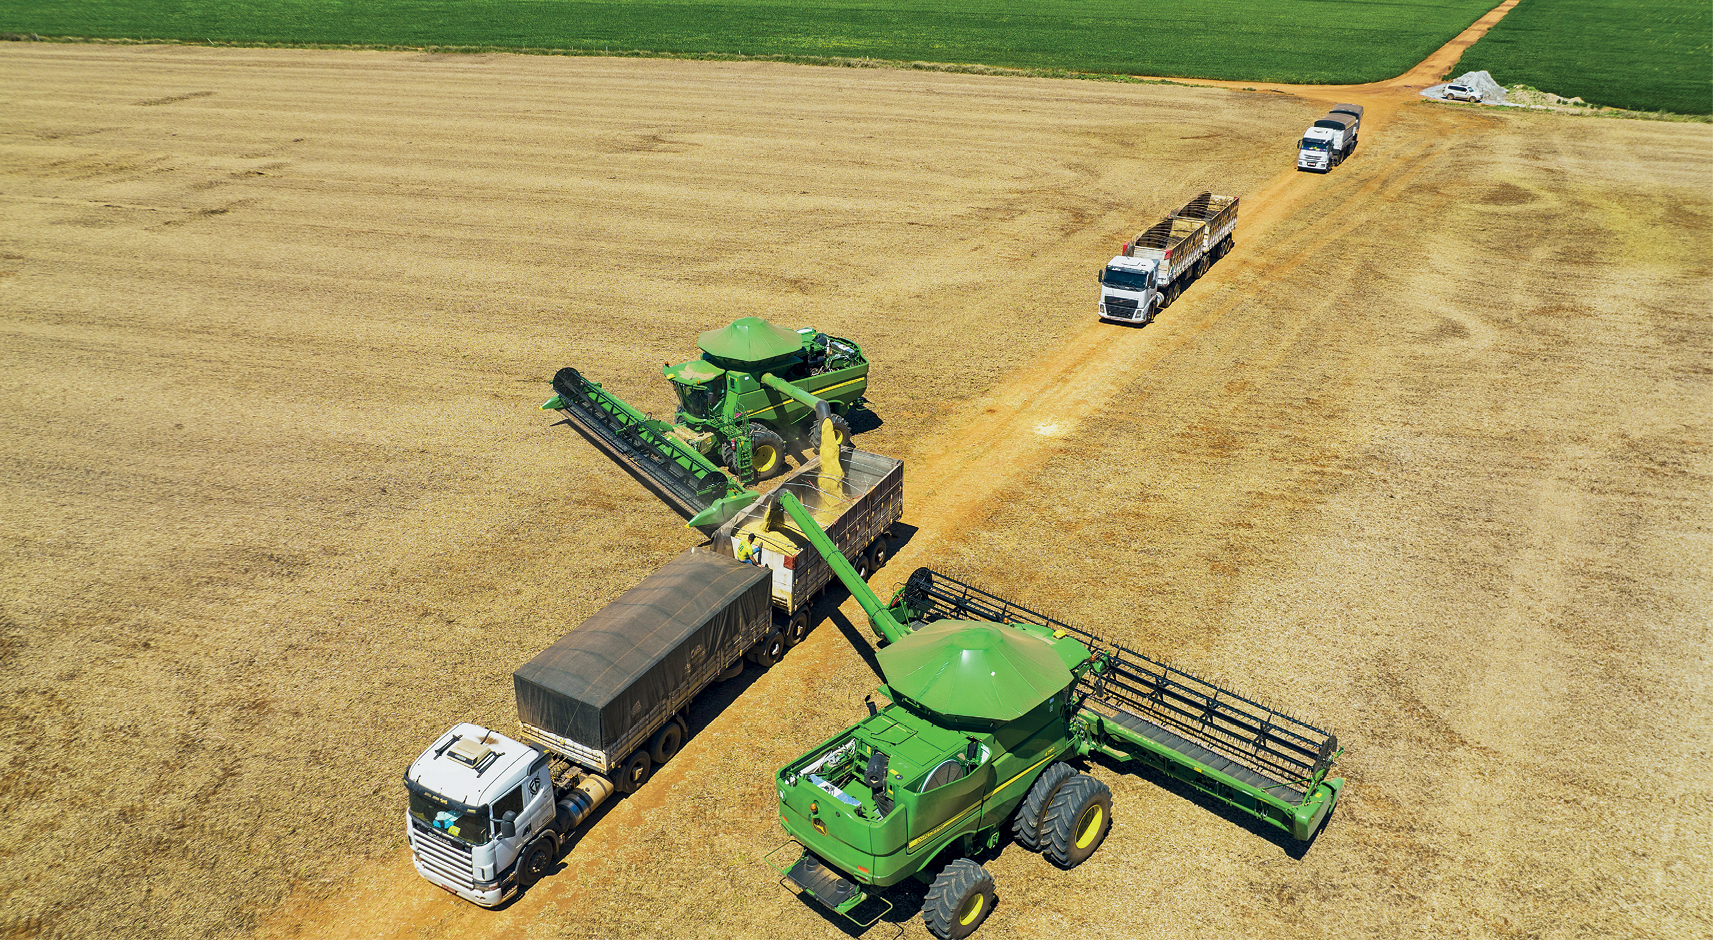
(471,828)
(1125,280)
(699,401)
(1309,143)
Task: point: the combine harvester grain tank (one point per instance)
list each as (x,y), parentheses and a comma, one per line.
(1156,266)
(988,702)
(1331,139)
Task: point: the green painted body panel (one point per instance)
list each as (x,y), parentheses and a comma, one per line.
(884,849)
(730,388)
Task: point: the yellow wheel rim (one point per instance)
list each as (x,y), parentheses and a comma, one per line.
(1089,826)
(972,908)
(766,458)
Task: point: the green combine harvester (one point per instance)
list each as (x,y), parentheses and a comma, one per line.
(988,703)
(756,389)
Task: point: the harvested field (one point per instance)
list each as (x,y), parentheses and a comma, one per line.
(1426,461)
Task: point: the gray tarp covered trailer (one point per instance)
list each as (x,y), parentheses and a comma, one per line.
(1354,110)
(597,693)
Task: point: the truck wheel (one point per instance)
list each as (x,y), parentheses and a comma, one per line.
(767,453)
(961,898)
(797,628)
(1077,821)
(537,861)
(877,554)
(666,742)
(769,651)
(635,772)
(1027,826)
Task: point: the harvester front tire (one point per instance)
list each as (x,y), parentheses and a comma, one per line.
(797,628)
(537,861)
(1027,826)
(634,773)
(1077,821)
(961,898)
(767,453)
(666,742)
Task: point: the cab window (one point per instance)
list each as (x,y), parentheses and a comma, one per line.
(512,802)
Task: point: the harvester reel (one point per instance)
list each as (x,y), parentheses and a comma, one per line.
(961,898)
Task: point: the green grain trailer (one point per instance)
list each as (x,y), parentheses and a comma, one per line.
(988,702)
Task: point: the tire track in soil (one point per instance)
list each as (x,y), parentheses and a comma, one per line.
(1000,439)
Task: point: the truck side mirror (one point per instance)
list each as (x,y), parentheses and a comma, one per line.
(508,824)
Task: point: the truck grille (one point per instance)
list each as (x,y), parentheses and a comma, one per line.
(1120,307)
(443,856)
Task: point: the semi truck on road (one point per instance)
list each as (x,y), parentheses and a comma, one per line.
(1157,265)
(604,706)
(1331,139)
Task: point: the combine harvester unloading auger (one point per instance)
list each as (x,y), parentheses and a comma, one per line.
(988,702)
(756,387)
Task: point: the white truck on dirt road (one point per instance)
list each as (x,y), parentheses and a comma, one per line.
(607,703)
(1331,139)
(1158,264)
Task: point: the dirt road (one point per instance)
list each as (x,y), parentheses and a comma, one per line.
(1425,460)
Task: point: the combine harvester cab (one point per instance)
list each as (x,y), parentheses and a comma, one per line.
(756,390)
(1156,266)
(988,702)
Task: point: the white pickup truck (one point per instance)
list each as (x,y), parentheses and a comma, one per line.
(1158,264)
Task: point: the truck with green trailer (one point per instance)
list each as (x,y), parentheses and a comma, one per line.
(988,702)
(756,390)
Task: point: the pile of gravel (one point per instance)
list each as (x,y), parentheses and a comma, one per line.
(1491,92)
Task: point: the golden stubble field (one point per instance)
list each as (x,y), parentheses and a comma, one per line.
(1425,461)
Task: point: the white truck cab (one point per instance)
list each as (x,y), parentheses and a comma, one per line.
(1128,293)
(478,799)
(1319,149)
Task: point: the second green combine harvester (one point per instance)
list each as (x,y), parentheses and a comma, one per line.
(988,701)
(756,389)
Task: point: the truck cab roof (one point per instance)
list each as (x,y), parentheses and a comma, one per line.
(469,762)
(1127,263)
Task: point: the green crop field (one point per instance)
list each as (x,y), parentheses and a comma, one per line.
(1646,55)
(1328,41)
